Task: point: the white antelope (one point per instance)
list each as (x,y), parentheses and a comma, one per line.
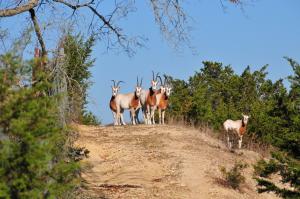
(238,127)
(148,101)
(162,99)
(112,103)
(129,101)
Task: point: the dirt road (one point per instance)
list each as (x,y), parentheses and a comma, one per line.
(160,162)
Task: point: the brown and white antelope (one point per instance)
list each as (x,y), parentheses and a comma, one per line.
(162,99)
(148,101)
(112,103)
(129,101)
(238,127)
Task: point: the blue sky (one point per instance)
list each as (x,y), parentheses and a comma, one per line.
(262,33)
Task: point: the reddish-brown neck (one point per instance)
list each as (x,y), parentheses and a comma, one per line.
(151,91)
(112,98)
(243,123)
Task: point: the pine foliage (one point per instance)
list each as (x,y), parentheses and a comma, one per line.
(33,159)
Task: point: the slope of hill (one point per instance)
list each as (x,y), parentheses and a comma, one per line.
(160,162)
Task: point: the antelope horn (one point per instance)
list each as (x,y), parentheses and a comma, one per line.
(119,82)
(156,76)
(161,82)
(152,75)
(137,81)
(166,79)
(114,82)
(141,82)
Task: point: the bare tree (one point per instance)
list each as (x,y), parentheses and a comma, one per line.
(170,16)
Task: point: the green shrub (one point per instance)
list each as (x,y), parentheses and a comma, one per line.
(33,159)
(289,170)
(77,64)
(234,177)
(88,118)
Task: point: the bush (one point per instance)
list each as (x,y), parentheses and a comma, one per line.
(77,64)
(215,93)
(289,170)
(234,176)
(33,159)
(88,118)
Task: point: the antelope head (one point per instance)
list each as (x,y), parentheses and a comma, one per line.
(167,86)
(138,87)
(115,88)
(162,85)
(154,81)
(245,118)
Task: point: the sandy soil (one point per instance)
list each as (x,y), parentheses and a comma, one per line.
(160,162)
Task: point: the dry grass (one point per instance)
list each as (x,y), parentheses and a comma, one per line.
(164,161)
(250,141)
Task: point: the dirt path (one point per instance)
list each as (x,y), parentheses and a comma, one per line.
(160,162)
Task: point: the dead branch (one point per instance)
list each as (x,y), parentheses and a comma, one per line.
(74,7)
(19,9)
(89,5)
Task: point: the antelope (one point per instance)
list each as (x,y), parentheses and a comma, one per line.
(238,127)
(162,99)
(148,101)
(129,101)
(112,103)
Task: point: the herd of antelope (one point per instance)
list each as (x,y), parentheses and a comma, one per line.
(148,101)
(157,98)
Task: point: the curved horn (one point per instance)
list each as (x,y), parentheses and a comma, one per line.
(137,80)
(152,75)
(161,82)
(114,82)
(156,76)
(119,82)
(166,79)
(141,82)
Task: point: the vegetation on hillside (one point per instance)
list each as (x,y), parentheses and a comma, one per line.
(36,151)
(34,162)
(216,93)
(234,176)
(77,65)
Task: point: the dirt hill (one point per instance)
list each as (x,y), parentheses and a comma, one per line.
(160,162)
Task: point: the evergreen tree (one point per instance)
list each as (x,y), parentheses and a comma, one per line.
(77,66)
(215,94)
(33,159)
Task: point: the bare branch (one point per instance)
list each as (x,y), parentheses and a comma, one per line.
(19,9)
(106,22)
(172,20)
(89,5)
(74,7)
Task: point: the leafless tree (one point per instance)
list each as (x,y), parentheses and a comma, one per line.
(169,15)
